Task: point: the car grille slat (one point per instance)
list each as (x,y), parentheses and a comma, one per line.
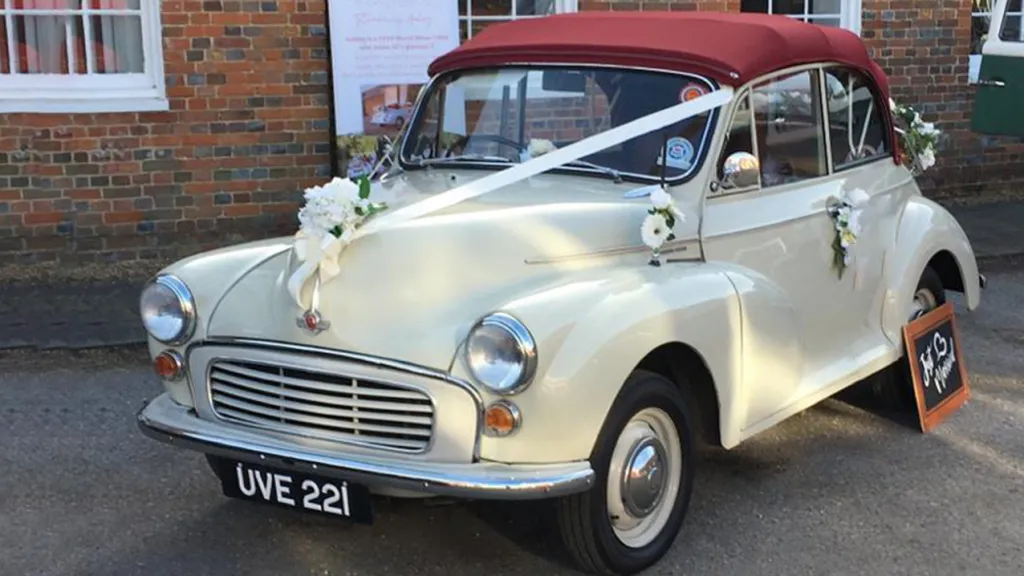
(291,406)
(293,393)
(408,445)
(321,405)
(275,378)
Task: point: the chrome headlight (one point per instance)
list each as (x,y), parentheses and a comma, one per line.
(501,354)
(168,310)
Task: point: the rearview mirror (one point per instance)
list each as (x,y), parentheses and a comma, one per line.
(741,169)
(563,81)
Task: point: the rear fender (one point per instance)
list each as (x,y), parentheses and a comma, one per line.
(927,233)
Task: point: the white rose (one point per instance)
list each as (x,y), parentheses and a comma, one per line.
(926,159)
(540,146)
(854,224)
(654,230)
(660,198)
(857,197)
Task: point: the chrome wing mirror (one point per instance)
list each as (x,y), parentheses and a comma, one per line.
(741,169)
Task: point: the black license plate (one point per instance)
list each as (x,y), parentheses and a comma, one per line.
(326,496)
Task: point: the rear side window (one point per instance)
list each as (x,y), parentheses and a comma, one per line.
(856,123)
(1011,29)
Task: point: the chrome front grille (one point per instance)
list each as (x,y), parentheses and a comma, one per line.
(321,405)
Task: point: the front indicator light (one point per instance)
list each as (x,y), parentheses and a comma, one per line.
(168,365)
(501,419)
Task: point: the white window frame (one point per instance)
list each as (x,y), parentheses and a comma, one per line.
(849,14)
(561,7)
(88,93)
(993,43)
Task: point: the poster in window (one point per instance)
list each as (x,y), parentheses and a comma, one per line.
(380,52)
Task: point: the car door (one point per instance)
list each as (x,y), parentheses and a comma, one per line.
(803,324)
(1000,88)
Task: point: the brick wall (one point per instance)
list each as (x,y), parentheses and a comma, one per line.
(924,49)
(248,128)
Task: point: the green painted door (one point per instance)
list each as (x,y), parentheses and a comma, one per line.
(999,103)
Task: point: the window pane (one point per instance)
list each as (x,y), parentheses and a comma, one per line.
(117,44)
(789,132)
(115,4)
(45,4)
(788,6)
(856,128)
(535,7)
(754,6)
(41,44)
(5,57)
(825,7)
(1011,29)
(491,7)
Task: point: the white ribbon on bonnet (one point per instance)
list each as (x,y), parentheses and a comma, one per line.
(322,255)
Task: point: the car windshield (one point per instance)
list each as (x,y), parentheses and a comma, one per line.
(492,118)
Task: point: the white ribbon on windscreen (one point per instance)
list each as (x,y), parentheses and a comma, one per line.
(534,166)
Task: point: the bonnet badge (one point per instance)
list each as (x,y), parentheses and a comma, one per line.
(311,320)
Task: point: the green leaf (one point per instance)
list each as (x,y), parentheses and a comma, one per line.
(364,187)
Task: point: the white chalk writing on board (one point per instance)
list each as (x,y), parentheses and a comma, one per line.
(937,362)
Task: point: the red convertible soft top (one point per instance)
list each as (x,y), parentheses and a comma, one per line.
(731,48)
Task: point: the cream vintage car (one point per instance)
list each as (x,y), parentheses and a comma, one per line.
(602,238)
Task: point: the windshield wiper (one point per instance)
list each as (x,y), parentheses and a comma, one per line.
(614,174)
(463,157)
(602,169)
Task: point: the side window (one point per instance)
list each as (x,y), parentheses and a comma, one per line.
(740,136)
(787,121)
(1011,29)
(856,126)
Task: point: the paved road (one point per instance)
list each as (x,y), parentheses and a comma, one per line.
(836,490)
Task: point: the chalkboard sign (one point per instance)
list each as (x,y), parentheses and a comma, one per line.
(936,365)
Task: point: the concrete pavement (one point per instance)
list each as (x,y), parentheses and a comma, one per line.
(104,311)
(836,490)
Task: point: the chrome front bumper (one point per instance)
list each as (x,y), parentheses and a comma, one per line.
(169,422)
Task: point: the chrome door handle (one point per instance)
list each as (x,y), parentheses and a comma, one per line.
(993,83)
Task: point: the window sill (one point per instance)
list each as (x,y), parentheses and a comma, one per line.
(81,105)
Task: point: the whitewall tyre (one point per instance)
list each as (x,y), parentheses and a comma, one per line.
(645,464)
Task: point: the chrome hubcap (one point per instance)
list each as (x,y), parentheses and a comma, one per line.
(644,481)
(644,477)
(924,302)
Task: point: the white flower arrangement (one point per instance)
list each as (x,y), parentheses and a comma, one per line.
(919,139)
(328,221)
(845,213)
(537,147)
(657,227)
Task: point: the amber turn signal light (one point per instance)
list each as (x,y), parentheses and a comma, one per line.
(501,418)
(168,365)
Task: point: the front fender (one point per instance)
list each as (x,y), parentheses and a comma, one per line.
(925,230)
(591,333)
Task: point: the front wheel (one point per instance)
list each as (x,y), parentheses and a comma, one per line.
(645,464)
